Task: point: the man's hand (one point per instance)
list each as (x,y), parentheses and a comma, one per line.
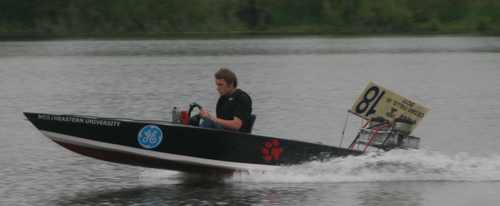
(234,124)
(204,113)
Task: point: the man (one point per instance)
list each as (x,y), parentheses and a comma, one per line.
(234,106)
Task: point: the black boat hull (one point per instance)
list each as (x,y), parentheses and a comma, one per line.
(164,145)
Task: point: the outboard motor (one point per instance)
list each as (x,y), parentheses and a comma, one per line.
(382,135)
(402,126)
(378,122)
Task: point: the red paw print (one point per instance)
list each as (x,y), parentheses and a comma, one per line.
(271,150)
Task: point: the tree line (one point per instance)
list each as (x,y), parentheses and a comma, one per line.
(156,16)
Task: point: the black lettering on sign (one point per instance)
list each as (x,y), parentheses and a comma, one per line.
(391,114)
(407,118)
(416,113)
(388,114)
(408,102)
(399,105)
(371,94)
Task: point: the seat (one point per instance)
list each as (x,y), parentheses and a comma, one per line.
(250,123)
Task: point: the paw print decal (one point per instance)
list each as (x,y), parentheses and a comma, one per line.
(271,150)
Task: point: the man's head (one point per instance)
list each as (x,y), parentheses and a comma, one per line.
(226,81)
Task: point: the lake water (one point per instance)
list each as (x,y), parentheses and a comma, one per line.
(301,88)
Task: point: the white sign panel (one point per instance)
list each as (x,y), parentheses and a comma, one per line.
(377,101)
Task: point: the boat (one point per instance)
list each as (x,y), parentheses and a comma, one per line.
(171,146)
(185,147)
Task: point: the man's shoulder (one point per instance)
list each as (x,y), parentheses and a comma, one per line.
(240,94)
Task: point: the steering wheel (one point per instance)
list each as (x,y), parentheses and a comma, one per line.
(194,120)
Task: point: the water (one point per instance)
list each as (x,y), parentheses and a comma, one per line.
(301,88)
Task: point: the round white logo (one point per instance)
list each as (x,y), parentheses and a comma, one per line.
(150,136)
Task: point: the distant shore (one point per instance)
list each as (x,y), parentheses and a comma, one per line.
(171,17)
(227,35)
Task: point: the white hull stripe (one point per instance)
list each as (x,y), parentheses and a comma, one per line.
(154,154)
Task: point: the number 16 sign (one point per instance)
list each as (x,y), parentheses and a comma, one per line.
(377,101)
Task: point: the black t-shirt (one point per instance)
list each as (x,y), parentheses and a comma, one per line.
(239,104)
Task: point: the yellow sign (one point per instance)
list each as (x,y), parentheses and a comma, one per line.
(377,101)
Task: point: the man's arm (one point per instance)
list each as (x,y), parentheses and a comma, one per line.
(234,124)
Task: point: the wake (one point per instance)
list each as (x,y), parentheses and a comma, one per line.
(392,166)
(396,165)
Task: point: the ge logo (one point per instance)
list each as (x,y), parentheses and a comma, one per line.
(150,136)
